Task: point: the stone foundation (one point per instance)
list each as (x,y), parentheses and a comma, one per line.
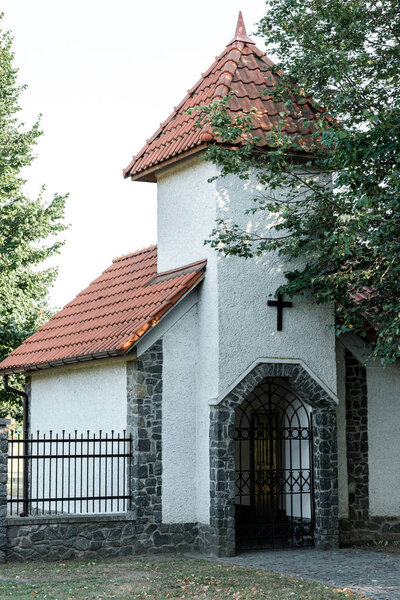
(375,529)
(62,538)
(204,539)
(89,536)
(175,538)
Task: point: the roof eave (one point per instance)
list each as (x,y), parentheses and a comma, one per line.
(61,362)
(150,174)
(119,352)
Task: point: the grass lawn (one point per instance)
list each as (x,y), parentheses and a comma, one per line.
(158,578)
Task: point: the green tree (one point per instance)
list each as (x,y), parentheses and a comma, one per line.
(342,241)
(25,226)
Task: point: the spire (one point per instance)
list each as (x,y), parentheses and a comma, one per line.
(240,33)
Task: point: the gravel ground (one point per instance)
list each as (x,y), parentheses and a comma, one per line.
(373,574)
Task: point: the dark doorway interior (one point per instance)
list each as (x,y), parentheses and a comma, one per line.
(273,469)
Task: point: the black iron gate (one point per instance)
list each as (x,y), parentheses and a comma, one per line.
(274,470)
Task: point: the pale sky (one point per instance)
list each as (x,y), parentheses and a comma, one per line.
(104,75)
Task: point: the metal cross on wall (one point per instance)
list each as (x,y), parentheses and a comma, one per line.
(280,305)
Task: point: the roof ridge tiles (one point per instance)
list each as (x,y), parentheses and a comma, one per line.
(177,271)
(226,76)
(151,248)
(241,61)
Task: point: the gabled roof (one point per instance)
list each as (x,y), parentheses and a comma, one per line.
(242,69)
(109,316)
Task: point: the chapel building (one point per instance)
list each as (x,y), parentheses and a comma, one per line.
(253,426)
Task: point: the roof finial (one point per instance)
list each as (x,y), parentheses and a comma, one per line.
(240,33)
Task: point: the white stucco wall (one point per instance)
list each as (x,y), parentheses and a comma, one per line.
(383,385)
(186,209)
(89,396)
(383,439)
(235,326)
(247,325)
(179,420)
(186,216)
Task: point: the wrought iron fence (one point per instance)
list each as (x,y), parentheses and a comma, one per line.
(69,473)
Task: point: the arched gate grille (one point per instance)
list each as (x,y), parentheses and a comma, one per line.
(274,469)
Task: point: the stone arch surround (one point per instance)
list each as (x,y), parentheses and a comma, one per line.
(222,456)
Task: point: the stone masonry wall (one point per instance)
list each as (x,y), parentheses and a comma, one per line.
(144,384)
(357,527)
(360,526)
(3,487)
(374,529)
(144,423)
(62,538)
(222,456)
(357,438)
(326,495)
(88,536)
(139,531)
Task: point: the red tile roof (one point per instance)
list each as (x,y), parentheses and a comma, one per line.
(109,316)
(242,69)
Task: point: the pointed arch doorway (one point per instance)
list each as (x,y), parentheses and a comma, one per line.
(223,498)
(274,492)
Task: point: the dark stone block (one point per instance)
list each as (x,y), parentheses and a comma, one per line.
(38,536)
(144,445)
(142,471)
(95,545)
(160,539)
(72,531)
(81,543)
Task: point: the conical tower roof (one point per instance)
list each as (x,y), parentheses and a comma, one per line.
(244,70)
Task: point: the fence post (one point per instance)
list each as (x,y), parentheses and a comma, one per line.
(3,486)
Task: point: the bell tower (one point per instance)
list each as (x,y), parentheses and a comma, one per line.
(237,326)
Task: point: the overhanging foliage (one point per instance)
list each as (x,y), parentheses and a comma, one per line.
(28,227)
(341,241)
